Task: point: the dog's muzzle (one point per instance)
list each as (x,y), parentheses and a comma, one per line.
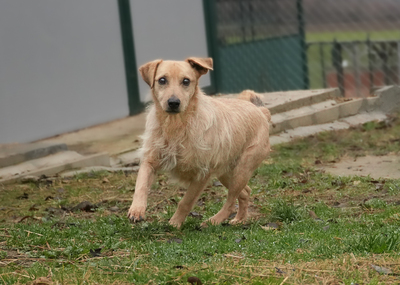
(173,105)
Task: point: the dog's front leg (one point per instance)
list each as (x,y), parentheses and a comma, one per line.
(188,201)
(143,183)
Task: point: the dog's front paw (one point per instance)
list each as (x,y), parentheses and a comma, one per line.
(177,223)
(136,214)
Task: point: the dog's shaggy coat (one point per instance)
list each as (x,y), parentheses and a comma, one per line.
(202,137)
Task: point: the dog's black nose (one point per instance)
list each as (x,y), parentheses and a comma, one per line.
(173,104)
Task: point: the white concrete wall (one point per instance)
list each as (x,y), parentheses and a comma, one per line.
(173,29)
(61,67)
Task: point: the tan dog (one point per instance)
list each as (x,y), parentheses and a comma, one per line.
(195,136)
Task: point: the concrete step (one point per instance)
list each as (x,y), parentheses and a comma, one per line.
(279,102)
(11,154)
(51,165)
(320,113)
(343,123)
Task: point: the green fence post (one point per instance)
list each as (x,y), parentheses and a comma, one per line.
(302,34)
(135,105)
(210,19)
(337,60)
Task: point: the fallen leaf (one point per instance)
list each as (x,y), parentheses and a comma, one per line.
(326,228)
(195,215)
(270,226)
(84,206)
(313,215)
(177,240)
(217,183)
(382,270)
(55,211)
(194,280)
(114,209)
(95,252)
(23,196)
(33,208)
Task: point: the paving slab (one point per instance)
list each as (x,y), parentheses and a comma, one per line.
(11,154)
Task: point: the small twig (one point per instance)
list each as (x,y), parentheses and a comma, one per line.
(256,266)
(21,275)
(101,257)
(317,270)
(284,280)
(233,256)
(29,232)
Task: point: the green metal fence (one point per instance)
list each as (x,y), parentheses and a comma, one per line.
(273,45)
(257,44)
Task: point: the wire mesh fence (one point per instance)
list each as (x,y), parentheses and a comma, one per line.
(271,45)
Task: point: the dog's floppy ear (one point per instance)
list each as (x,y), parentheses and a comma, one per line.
(202,65)
(148,71)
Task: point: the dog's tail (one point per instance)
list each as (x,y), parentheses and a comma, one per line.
(254,98)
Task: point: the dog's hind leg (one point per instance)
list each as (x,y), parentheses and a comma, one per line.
(236,181)
(244,198)
(186,204)
(237,189)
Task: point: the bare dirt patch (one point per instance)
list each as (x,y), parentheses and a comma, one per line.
(387,166)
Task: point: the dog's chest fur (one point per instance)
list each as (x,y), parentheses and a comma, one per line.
(191,149)
(183,152)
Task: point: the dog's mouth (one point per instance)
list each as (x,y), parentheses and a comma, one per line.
(170,111)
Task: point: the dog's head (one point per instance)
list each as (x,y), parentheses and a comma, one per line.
(174,83)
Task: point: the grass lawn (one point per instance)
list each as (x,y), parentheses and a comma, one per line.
(307,227)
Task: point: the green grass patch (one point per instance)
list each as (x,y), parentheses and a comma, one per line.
(361,35)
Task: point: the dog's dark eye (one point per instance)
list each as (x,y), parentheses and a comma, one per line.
(186,81)
(162,81)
